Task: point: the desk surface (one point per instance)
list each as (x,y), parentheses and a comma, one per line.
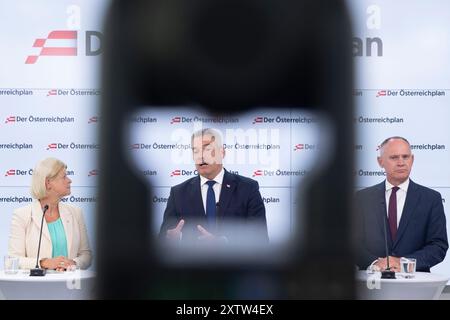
(51,276)
(68,285)
(423,285)
(419,277)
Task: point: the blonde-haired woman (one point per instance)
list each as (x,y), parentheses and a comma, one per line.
(64,236)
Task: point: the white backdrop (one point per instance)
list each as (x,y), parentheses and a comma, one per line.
(405,91)
(277,149)
(50,107)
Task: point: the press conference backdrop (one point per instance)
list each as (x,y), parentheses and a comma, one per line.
(49,99)
(278,149)
(50,90)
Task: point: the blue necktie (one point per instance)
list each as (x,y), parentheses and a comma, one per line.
(211,206)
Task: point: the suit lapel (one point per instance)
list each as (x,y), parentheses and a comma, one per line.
(411,201)
(382,213)
(228,186)
(196,195)
(67,221)
(36,216)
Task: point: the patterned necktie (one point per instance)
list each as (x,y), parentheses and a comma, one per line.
(392,213)
(211,206)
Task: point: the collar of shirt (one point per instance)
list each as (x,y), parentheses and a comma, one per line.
(403,186)
(218,179)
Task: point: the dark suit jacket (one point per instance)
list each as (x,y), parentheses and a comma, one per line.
(240,213)
(421,234)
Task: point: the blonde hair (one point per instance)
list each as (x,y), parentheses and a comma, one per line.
(45,169)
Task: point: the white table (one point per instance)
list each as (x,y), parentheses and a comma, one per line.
(424,286)
(74,285)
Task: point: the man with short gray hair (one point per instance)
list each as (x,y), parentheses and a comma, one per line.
(413,215)
(216,204)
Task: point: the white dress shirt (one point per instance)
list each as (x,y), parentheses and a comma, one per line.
(401,197)
(216,187)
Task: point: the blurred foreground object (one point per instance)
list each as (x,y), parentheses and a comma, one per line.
(229,56)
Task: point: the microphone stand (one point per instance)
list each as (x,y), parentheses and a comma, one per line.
(39,272)
(387,273)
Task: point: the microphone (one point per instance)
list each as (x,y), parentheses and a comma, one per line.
(387,273)
(39,272)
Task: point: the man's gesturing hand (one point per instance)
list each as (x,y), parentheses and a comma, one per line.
(175,233)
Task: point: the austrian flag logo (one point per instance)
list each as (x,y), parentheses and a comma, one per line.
(299,146)
(57,43)
(93,173)
(93,119)
(175,120)
(258,120)
(10,119)
(258,173)
(381,93)
(11,172)
(175,173)
(52,146)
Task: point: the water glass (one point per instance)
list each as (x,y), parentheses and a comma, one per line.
(11,265)
(408,267)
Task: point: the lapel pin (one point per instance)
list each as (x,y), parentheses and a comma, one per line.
(228,185)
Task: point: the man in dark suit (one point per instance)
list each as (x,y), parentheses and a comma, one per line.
(413,215)
(216,205)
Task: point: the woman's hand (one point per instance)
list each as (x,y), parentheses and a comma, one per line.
(59,263)
(65,264)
